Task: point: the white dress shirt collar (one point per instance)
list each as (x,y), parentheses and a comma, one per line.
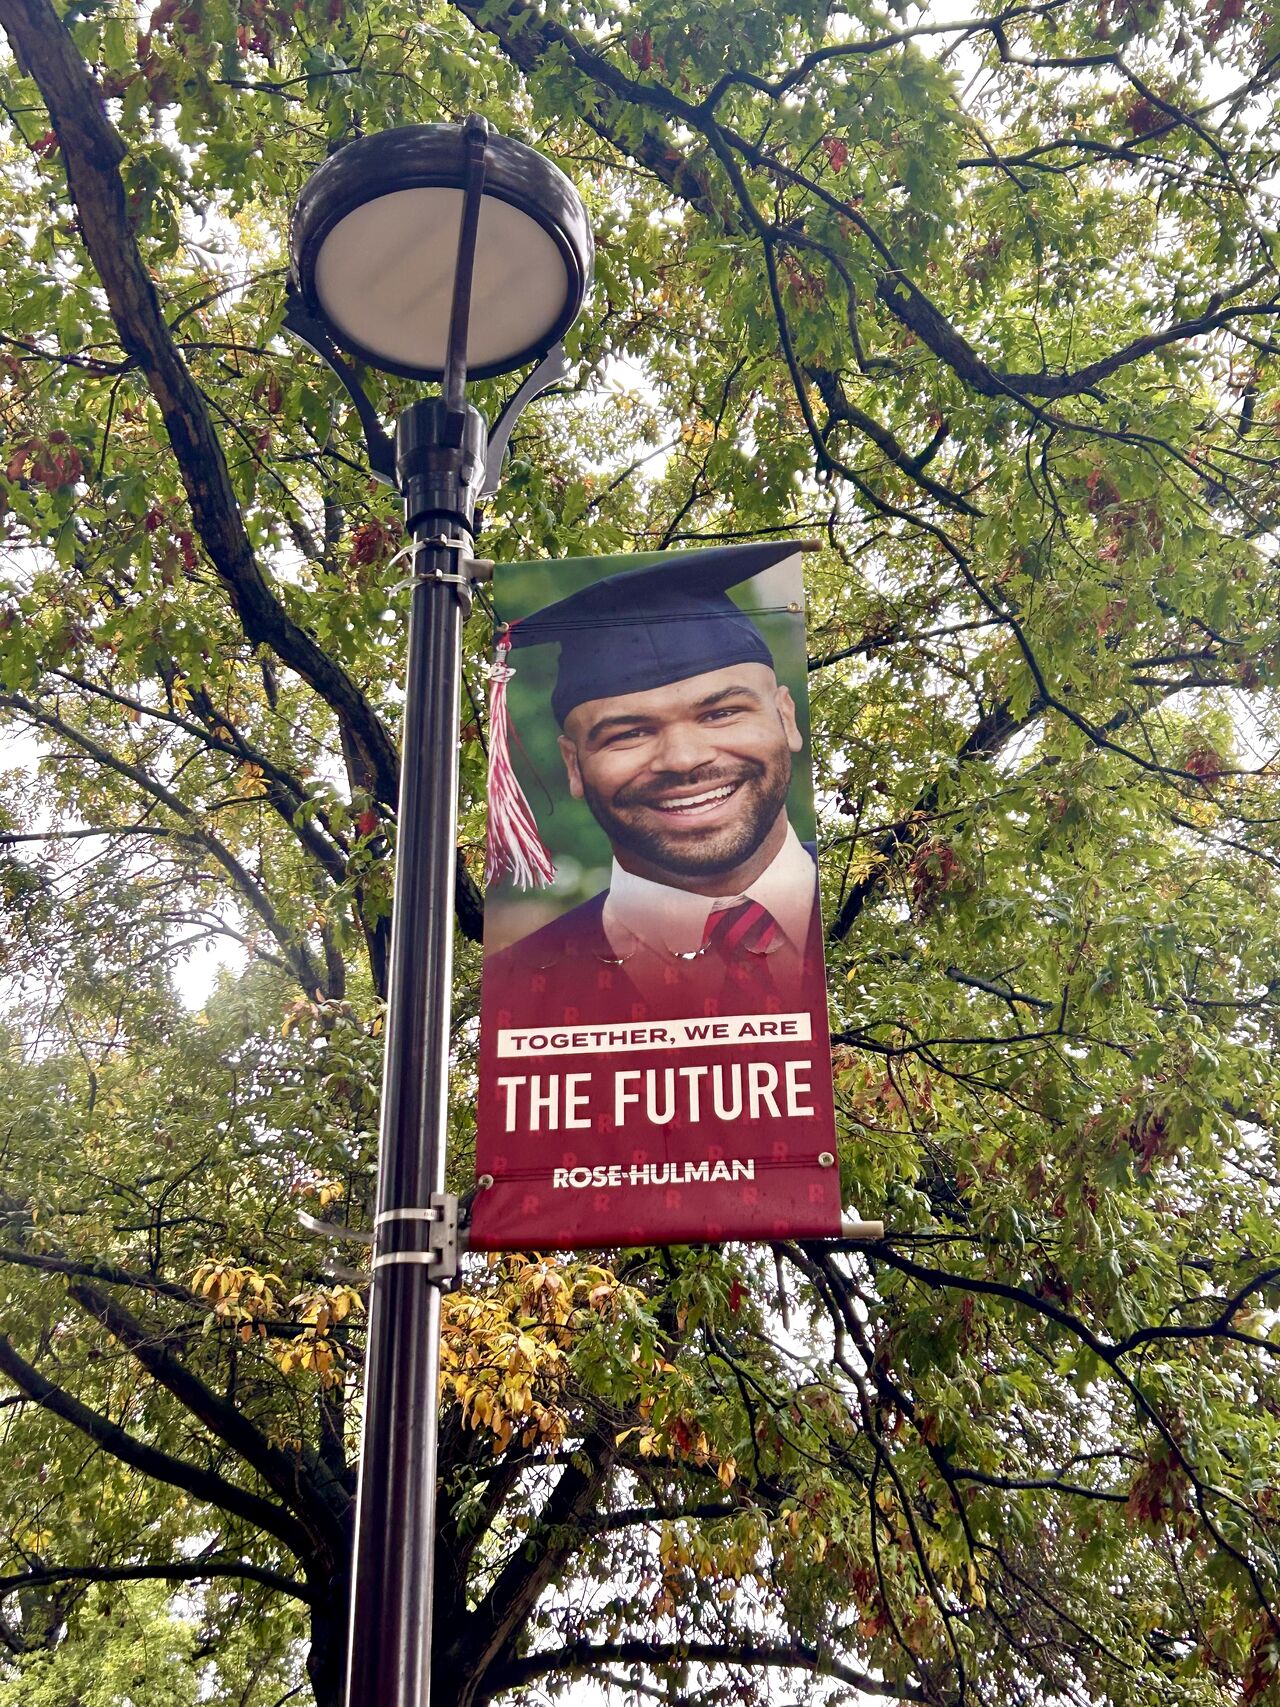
(639,910)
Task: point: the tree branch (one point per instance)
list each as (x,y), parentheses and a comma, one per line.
(794,1656)
(111,1273)
(182,1571)
(91,151)
(528,36)
(286,793)
(988,735)
(498,1619)
(281,1472)
(201,1484)
(298,958)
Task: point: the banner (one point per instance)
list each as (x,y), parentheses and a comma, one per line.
(654,1056)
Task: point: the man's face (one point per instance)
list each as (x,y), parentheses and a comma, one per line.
(688,778)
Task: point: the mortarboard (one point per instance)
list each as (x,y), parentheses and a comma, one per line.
(644,628)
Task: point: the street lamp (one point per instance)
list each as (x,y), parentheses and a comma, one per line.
(376,250)
(429,251)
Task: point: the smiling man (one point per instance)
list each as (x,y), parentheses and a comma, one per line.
(678,736)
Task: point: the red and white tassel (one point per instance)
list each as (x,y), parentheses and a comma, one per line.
(512,843)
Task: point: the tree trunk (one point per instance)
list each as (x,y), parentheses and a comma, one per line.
(327,1658)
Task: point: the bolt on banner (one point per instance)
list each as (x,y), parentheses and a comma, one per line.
(654,1056)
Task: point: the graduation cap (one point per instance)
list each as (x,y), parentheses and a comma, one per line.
(644,628)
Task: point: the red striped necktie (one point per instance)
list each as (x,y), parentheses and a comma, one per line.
(747,927)
(736,945)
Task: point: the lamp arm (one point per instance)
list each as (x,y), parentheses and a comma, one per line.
(475,140)
(379,445)
(553,366)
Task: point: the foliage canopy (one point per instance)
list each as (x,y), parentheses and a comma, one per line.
(989,305)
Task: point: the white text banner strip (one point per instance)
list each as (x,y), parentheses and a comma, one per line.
(533,1042)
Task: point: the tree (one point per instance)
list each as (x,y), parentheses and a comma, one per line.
(987,304)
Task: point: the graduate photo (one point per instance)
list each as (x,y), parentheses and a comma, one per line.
(658,718)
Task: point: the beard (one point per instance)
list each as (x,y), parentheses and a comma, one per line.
(628,818)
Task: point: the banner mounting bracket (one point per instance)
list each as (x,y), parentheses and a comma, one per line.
(440,1254)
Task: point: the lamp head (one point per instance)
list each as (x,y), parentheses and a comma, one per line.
(374,249)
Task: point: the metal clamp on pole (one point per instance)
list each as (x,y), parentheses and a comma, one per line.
(447,541)
(434,542)
(433,576)
(439,1255)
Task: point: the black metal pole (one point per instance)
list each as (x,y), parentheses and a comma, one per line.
(440,461)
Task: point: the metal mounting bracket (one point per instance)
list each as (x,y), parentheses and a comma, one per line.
(440,1255)
(338,1234)
(379,445)
(553,366)
(334,1230)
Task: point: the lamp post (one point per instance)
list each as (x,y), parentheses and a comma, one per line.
(428,251)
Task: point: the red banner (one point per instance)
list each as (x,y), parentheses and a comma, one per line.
(654,1057)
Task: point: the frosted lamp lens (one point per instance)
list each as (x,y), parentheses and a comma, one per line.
(384,277)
